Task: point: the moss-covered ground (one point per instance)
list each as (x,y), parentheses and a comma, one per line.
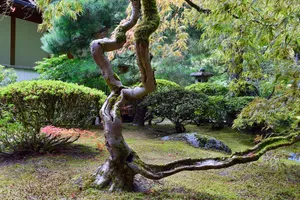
(62,175)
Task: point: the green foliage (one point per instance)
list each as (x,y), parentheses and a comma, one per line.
(125,65)
(74,36)
(242,88)
(16,140)
(56,9)
(179,106)
(279,114)
(81,71)
(174,69)
(211,89)
(234,105)
(223,109)
(163,85)
(7,76)
(216,113)
(249,33)
(40,103)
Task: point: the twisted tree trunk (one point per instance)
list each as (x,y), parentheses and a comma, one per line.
(115,173)
(118,172)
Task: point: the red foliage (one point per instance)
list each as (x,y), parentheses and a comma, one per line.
(55,131)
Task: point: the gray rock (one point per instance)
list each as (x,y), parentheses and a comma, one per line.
(200,141)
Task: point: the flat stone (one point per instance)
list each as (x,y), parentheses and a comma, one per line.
(200,141)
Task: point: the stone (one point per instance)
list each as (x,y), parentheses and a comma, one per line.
(200,141)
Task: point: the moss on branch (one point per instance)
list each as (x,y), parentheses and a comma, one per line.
(149,22)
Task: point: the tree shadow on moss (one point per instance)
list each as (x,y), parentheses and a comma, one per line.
(76,151)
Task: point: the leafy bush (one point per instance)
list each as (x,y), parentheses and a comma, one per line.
(7,76)
(140,110)
(179,106)
(223,109)
(216,113)
(234,105)
(15,139)
(279,114)
(165,85)
(40,103)
(81,71)
(210,89)
(243,88)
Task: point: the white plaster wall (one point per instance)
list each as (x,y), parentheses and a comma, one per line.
(23,74)
(28,44)
(4,40)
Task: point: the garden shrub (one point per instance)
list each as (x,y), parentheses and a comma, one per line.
(82,71)
(40,103)
(216,113)
(141,114)
(18,140)
(223,109)
(234,105)
(279,114)
(7,76)
(165,85)
(179,106)
(210,89)
(241,88)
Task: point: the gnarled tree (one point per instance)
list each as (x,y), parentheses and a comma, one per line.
(119,170)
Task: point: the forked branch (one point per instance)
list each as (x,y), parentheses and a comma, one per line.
(249,155)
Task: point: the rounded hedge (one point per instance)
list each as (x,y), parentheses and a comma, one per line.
(210,89)
(40,103)
(165,85)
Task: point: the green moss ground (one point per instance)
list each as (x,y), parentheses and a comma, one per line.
(60,176)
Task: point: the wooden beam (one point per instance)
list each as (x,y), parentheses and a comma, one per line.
(12,41)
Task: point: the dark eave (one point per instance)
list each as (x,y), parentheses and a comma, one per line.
(23,10)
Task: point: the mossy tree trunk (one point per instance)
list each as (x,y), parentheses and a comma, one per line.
(117,173)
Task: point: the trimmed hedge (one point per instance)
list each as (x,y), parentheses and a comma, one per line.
(210,89)
(40,103)
(165,85)
(179,106)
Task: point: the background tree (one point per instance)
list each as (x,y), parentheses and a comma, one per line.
(69,36)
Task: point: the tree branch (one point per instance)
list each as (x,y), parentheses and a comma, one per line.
(249,155)
(145,28)
(198,8)
(98,47)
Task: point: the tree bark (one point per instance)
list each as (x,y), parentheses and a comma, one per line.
(115,172)
(140,113)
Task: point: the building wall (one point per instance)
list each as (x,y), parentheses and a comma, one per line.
(25,74)
(28,44)
(4,40)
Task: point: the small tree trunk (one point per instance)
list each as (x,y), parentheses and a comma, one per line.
(179,127)
(140,113)
(114,173)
